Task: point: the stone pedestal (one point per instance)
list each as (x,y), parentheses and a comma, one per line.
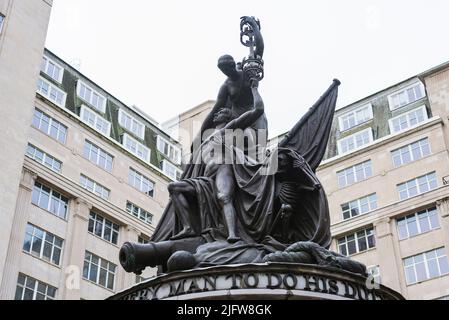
(268,281)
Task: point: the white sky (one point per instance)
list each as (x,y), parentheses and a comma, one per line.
(161,55)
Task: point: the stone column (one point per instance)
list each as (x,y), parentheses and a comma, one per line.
(125,279)
(21,214)
(388,252)
(75,247)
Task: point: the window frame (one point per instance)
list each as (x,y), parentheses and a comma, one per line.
(86,109)
(99,267)
(416,84)
(93,216)
(407,114)
(160,140)
(48,94)
(2,22)
(44,158)
(425,261)
(140,177)
(368,106)
(166,163)
(44,69)
(50,198)
(410,151)
(42,247)
(354,137)
(95,185)
(37,283)
(121,114)
(90,145)
(50,125)
(126,137)
(417,185)
(102,108)
(417,222)
(353,170)
(359,206)
(140,212)
(356,241)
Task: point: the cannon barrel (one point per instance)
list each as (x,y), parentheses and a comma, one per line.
(135,257)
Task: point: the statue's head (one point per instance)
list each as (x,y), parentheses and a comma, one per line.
(227,65)
(223,115)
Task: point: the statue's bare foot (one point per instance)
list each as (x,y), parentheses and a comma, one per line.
(233,239)
(185,233)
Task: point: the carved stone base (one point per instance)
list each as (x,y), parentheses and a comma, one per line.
(270,281)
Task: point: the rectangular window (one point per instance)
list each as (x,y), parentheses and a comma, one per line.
(94,187)
(136,148)
(49,126)
(171,170)
(425,266)
(42,244)
(354,174)
(103,228)
(140,182)
(51,92)
(355,141)
(52,69)
(139,213)
(2,20)
(143,240)
(408,120)
(91,96)
(31,289)
(417,223)
(417,186)
(43,158)
(406,96)
(132,125)
(356,117)
(169,150)
(411,152)
(357,242)
(98,156)
(50,200)
(99,270)
(360,206)
(95,121)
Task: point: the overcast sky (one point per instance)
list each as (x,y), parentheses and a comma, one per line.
(161,55)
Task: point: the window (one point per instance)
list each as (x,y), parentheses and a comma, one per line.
(49,126)
(357,242)
(355,117)
(51,92)
(359,206)
(408,120)
(143,240)
(50,200)
(355,141)
(140,182)
(425,266)
(169,150)
(417,223)
(103,228)
(43,158)
(136,148)
(94,187)
(417,186)
(52,69)
(411,152)
(99,270)
(143,215)
(42,244)
(131,124)
(357,173)
(406,96)
(2,20)
(374,271)
(95,121)
(31,289)
(98,156)
(171,170)
(90,96)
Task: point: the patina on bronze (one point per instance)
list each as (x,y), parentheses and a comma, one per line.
(267,208)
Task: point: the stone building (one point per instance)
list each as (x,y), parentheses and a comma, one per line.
(82,172)
(385,174)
